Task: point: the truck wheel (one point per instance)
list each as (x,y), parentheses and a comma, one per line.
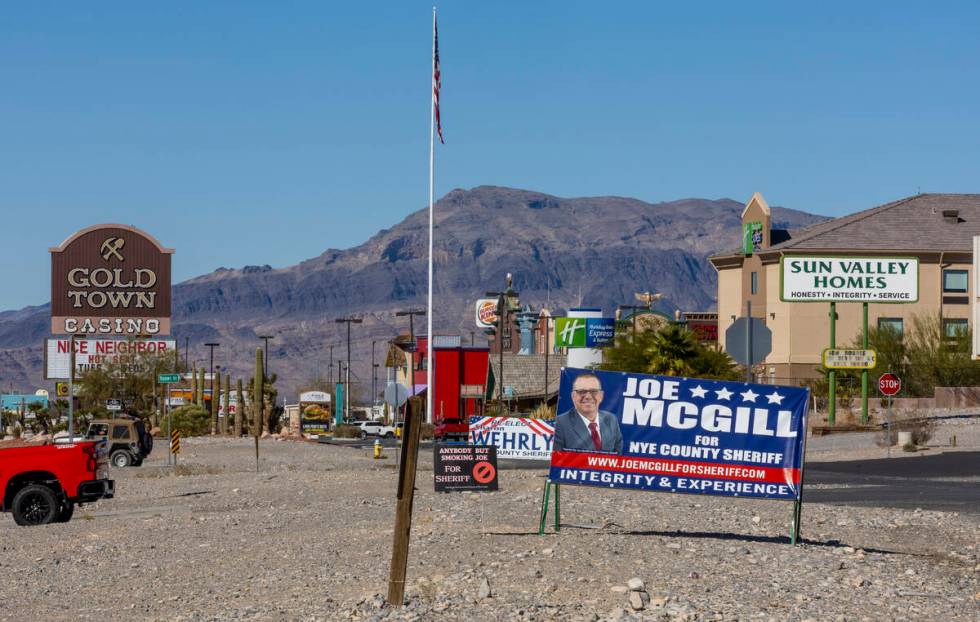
(65,512)
(392,434)
(34,505)
(364,434)
(121,459)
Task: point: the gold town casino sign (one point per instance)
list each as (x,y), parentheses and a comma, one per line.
(110,280)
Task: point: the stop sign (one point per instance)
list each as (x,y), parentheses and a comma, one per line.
(889,384)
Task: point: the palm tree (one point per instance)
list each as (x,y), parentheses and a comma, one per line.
(672,351)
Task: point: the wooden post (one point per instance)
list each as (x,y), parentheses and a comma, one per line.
(403,508)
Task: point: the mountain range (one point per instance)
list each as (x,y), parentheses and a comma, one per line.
(562,252)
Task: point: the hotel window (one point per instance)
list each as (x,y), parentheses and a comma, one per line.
(893,324)
(954,328)
(955,281)
(755,282)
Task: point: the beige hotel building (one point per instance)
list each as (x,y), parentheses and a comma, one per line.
(936,228)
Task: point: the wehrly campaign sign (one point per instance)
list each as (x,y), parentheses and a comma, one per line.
(687,435)
(520,438)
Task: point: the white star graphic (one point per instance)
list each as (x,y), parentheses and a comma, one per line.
(775,398)
(698,391)
(749,396)
(724,394)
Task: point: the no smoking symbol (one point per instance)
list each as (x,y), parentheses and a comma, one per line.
(483,472)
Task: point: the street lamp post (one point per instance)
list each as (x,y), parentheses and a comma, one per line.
(547,352)
(211,409)
(348,321)
(374,379)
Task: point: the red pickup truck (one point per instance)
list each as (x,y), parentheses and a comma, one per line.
(42,483)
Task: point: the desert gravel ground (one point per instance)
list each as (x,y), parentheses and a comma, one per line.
(309,538)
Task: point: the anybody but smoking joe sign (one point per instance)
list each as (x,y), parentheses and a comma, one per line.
(623,430)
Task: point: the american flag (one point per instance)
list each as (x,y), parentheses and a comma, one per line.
(436,81)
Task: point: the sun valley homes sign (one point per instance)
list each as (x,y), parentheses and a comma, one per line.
(849,279)
(110,280)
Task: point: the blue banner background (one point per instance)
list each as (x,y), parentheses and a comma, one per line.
(699,394)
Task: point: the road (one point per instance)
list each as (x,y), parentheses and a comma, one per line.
(948,481)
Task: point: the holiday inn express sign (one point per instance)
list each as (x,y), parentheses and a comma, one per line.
(110,280)
(849,279)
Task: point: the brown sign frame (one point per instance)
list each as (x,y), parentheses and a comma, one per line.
(111,279)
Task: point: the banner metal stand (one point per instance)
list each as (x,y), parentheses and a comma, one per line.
(544,506)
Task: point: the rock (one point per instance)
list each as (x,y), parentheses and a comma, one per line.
(635,584)
(619,589)
(638,600)
(860,582)
(547,551)
(485,591)
(693,575)
(755,519)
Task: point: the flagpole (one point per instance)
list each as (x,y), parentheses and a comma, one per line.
(432,152)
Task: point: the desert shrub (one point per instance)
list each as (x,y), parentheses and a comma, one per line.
(921,427)
(345,430)
(191,420)
(543,411)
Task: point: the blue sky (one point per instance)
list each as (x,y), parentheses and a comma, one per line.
(256,132)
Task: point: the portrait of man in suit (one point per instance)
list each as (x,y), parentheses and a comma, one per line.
(585,427)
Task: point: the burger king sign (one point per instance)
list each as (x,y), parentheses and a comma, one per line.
(486,313)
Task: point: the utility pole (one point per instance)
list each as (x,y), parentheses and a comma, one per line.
(186,350)
(348,320)
(411,340)
(501,308)
(211,409)
(411,321)
(330,365)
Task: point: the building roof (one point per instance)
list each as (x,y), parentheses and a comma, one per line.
(525,373)
(912,224)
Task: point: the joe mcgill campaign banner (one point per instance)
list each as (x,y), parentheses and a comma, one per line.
(688,435)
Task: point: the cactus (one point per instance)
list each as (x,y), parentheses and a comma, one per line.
(194,386)
(258,403)
(200,388)
(227,404)
(239,409)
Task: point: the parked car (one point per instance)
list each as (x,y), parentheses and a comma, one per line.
(376,428)
(129,441)
(41,484)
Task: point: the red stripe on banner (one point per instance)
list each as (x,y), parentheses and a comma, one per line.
(539,428)
(660,466)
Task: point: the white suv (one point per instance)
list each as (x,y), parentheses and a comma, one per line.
(376,428)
